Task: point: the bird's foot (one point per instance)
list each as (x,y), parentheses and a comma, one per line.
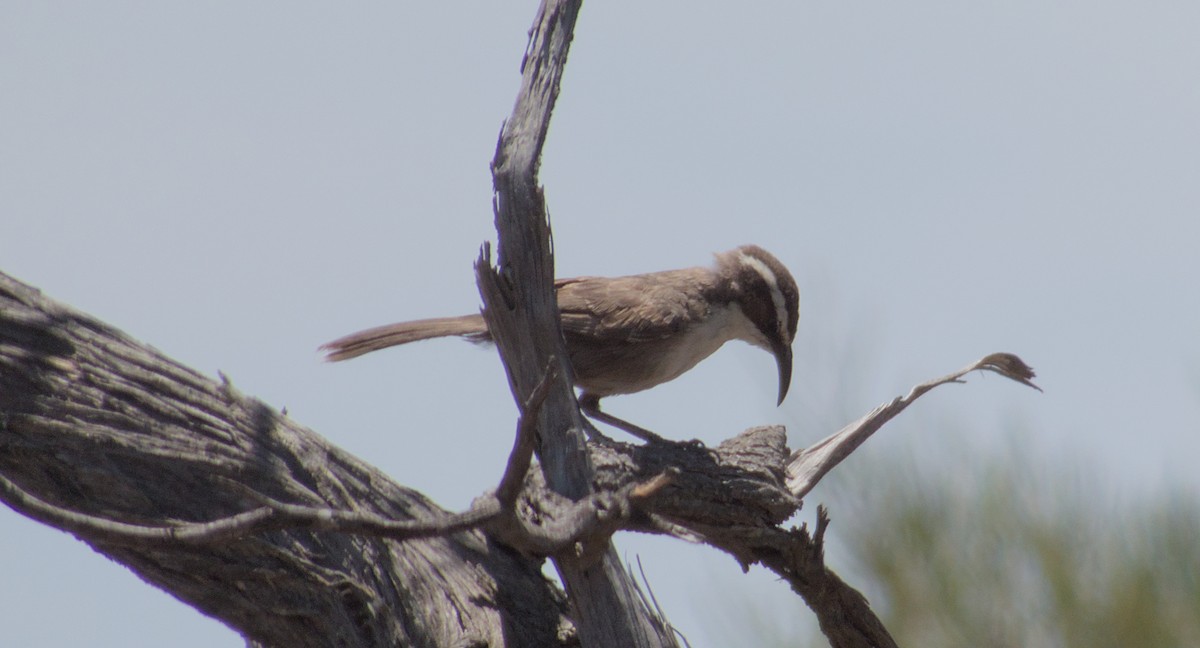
(590,405)
(638,431)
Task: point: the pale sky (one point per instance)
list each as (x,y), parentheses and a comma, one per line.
(237,183)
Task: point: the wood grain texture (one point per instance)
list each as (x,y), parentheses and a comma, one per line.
(522,315)
(97,423)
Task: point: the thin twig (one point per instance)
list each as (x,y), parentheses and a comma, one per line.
(806,467)
(522,453)
(593,518)
(121,533)
(271,515)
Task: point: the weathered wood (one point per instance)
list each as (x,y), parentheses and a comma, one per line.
(522,316)
(96,426)
(806,467)
(257,521)
(99,424)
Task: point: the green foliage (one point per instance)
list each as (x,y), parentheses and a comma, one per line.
(1013,554)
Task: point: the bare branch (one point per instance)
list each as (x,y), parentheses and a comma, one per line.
(273,514)
(522,315)
(572,528)
(526,439)
(119,533)
(139,448)
(314,518)
(114,442)
(214,451)
(806,467)
(798,558)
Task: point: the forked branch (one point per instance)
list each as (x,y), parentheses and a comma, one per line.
(806,467)
(71,447)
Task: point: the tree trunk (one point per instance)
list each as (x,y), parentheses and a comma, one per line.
(253,519)
(98,424)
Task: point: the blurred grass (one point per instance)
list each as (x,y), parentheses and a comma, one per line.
(1012,553)
(959,543)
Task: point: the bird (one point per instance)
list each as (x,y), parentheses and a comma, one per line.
(628,334)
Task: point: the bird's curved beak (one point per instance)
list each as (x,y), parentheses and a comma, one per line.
(783,358)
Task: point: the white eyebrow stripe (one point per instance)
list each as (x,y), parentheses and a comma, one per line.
(781,315)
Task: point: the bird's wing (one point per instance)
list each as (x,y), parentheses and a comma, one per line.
(637,307)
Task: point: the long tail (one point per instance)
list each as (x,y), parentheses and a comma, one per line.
(471,327)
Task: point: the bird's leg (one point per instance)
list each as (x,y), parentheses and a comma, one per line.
(590,404)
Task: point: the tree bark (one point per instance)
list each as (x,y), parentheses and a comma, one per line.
(522,315)
(253,519)
(96,423)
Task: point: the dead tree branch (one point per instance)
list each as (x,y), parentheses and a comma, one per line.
(809,465)
(242,513)
(194,485)
(522,316)
(111,431)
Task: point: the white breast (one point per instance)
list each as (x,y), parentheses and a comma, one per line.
(698,342)
(638,366)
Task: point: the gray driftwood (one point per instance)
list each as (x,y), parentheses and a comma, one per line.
(255,520)
(96,424)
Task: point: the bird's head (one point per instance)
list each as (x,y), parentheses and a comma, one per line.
(767,295)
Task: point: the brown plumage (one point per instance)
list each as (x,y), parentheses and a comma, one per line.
(627,334)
